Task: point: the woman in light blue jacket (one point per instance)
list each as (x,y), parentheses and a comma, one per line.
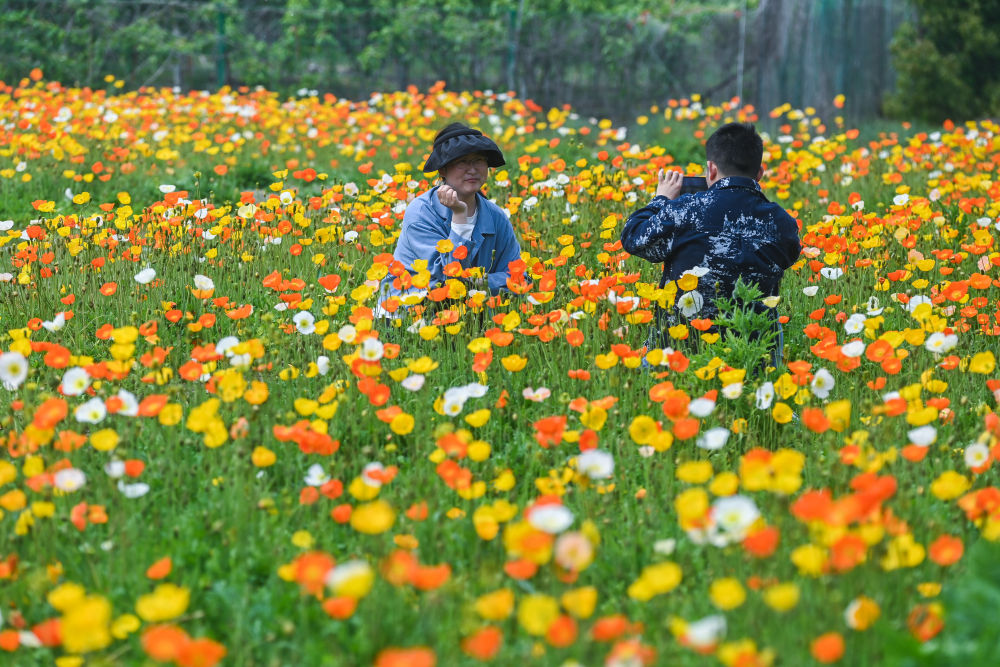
(457,210)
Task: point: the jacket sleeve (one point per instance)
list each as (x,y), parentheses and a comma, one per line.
(507,250)
(790,243)
(649,232)
(422,230)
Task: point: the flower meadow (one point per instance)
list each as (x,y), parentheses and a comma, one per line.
(214,456)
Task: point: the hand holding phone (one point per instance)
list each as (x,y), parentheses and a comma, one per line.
(669,183)
(692,184)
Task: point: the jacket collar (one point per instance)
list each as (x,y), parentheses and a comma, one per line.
(737,182)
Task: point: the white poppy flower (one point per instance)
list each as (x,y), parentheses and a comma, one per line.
(596,464)
(56,323)
(225,345)
(91,412)
(145,276)
(75,381)
(371,349)
(413,382)
(166,188)
(69,479)
(476,390)
(855,323)
(134,490)
(901,199)
(13,370)
(452,408)
(923,436)
(916,301)
(536,395)
(114,469)
(552,519)
(665,547)
(714,439)
(732,390)
(811,290)
(130,404)
(456,394)
(696,271)
(316,475)
(940,342)
(203,282)
(822,383)
(765,395)
(853,349)
(706,632)
(977,455)
(734,515)
(323,364)
(690,303)
(701,407)
(304,321)
(347,333)
(831,272)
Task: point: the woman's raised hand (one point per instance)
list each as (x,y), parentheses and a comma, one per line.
(449,198)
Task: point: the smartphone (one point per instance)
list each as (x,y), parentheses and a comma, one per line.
(692,184)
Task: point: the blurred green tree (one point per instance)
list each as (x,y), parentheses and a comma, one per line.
(948,63)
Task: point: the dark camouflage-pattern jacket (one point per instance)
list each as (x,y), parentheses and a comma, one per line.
(727,231)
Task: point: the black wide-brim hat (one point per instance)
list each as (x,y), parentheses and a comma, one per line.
(458,140)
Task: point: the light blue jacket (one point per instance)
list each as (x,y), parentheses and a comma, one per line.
(427,221)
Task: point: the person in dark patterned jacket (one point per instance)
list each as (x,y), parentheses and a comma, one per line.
(728,231)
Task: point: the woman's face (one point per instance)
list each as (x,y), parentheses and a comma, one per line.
(467,174)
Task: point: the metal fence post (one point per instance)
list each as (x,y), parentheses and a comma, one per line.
(220,49)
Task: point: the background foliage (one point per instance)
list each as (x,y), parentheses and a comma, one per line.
(949,61)
(604,58)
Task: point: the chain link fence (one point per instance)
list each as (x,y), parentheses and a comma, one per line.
(613,64)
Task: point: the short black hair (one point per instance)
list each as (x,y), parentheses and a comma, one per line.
(736,149)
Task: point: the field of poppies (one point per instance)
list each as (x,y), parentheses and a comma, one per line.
(214,457)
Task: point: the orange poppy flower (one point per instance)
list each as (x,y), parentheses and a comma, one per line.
(340,607)
(399,566)
(428,578)
(160,568)
(610,628)
(50,413)
(417,511)
(484,644)
(562,632)
(946,550)
(419,656)
(342,513)
(311,569)
(762,543)
(520,569)
(163,643)
(827,648)
(686,428)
